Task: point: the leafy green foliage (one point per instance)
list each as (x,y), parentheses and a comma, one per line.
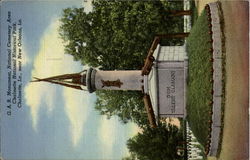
(199,84)
(117,35)
(156,143)
(127,105)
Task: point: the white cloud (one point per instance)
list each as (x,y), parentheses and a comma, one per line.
(76,107)
(133,129)
(107,134)
(34,95)
(25,58)
(87,4)
(50,61)
(110,130)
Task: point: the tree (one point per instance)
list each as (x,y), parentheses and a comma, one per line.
(117,35)
(131,157)
(156,143)
(126,105)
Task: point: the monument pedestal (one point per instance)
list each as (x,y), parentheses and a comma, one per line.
(166,82)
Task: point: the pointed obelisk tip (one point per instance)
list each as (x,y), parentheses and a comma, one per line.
(36,79)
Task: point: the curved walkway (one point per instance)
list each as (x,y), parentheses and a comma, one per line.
(217,77)
(235,141)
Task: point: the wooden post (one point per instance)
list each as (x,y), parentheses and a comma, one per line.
(149,60)
(179,13)
(149,109)
(173,35)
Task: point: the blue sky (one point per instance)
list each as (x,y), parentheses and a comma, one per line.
(54,122)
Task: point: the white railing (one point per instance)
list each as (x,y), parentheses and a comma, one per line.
(194,151)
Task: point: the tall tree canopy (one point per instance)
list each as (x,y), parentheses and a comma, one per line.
(156,143)
(116,35)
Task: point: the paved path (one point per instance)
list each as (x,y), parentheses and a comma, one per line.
(235,134)
(217,77)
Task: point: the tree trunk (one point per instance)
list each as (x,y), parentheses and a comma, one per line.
(173,35)
(180,13)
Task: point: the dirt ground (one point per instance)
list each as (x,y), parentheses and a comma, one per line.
(235,136)
(235,140)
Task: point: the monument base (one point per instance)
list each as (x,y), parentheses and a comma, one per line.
(166,83)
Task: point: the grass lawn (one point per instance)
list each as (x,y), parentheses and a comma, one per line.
(199,94)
